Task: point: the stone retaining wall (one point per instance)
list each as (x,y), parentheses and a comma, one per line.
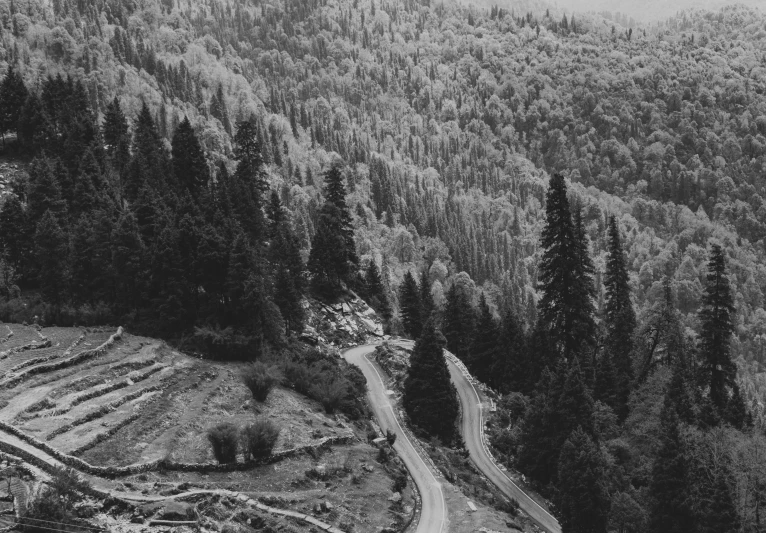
(159,464)
(64,363)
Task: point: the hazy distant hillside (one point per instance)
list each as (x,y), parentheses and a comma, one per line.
(648,11)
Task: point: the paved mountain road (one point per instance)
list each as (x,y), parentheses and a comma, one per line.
(473,435)
(433,517)
(433,514)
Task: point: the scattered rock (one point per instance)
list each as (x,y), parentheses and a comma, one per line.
(176,511)
(368,468)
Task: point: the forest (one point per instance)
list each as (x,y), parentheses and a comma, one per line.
(196,168)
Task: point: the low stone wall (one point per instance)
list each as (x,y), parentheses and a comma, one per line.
(64,363)
(160,464)
(98,413)
(44,343)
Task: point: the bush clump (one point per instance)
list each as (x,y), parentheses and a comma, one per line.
(259,438)
(330,392)
(260,378)
(224,438)
(53,506)
(334,383)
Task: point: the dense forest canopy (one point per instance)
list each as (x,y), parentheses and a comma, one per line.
(448,119)
(577,201)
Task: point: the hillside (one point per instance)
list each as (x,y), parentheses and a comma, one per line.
(194,170)
(160,405)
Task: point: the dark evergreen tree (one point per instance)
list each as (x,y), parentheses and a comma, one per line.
(328,261)
(248,184)
(670,511)
(375,292)
(115,128)
(189,164)
(218,109)
(716,328)
(51,254)
(484,348)
(411,308)
(458,322)
(430,399)
(566,307)
(620,320)
(333,262)
(511,368)
(13,95)
(335,193)
(539,448)
(426,299)
(45,192)
(288,267)
(14,232)
(562,405)
(127,262)
(583,499)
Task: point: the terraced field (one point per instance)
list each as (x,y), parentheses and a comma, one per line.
(114,401)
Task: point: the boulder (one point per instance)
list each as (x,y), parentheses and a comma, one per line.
(178,511)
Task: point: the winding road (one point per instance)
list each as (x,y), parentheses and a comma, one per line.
(433,514)
(434,518)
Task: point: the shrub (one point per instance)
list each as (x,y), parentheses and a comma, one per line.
(400,482)
(330,392)
(259,438)
(54,504)
(260,379)
(298,376)
(223,439)
(390,437)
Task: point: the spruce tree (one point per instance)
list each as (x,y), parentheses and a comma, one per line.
(13,94)
(484,347)
(335,193)
(333,261)
(115,127)
(51,253)
(716,328)
(510,371)
(287,265)
(620,320)
(14,232)
(566,307)
(583,499)
(426,299)
(670,511)
(127,262)
(375,292)
(189,164)
(409,302)
(248,185)
(430,399)
(458,322)
(328,261)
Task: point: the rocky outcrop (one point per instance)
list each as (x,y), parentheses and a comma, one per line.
(342,324)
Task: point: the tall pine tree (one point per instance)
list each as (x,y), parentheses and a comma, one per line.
(620,320)
(716,328)
(566,307)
